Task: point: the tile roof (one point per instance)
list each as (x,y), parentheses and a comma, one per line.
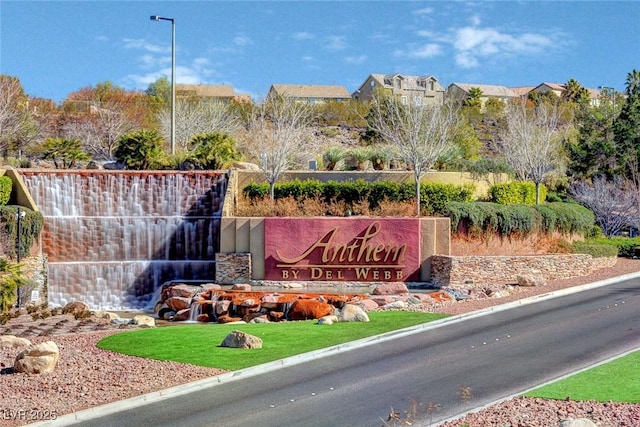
(312,91)
(487,90)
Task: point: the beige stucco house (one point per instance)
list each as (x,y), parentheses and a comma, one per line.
(313,94)
(460,92)
(419,90)
(224,93)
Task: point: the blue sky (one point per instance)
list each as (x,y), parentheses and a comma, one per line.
(58,47)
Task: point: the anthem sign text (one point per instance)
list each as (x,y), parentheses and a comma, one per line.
(342,249)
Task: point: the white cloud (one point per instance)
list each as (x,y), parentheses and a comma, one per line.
(303,35)
(308,58)
(428,50)
(145,45)
(242,40)
(473,44)
(336,43)
(423,11)
(356,60)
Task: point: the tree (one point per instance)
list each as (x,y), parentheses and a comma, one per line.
(474,100)
(531,143)
(213,150)
(100,115)
(275,133)
(15,122)
(626,127)
(196,116)
(421,134)
(63,152)
(574,92)
(613,202)
(11,280)
(593,151)
(140,150)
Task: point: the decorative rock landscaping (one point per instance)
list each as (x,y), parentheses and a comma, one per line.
(211,303)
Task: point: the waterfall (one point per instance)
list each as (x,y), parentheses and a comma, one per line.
(112,238)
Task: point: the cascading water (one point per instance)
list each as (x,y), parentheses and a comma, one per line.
(112,238)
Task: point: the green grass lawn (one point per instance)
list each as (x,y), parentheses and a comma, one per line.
(198,344)
(618,381)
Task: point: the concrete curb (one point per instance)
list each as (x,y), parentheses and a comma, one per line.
(228,377)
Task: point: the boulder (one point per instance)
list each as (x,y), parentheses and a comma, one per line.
(37,359)
(143,320)
(383,299)
(181,290)
(367,304)
(178,303)
(181,315)
(239,339)
(225,318)
(398,305)
(222,307)
(106,315)
(577,422)
(304,309)
(203,318)
(530,280)
(353,313)
(241,287)
(328,320)
(211,287)
(393,288)
(75,307)
(13,343)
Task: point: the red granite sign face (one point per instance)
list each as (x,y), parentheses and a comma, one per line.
(342,249)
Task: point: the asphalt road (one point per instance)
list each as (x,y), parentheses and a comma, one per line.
(440,372)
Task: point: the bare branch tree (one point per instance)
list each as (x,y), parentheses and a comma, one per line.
(612,202)
(420,134)
(194,116)
(276,132)
(14,117)
(532,143)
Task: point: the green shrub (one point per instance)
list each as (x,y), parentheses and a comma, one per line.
(434,197)
(626,247)
(595,249)
(517,192)
(30,228)
(508,219)
(572,218)
(5,189)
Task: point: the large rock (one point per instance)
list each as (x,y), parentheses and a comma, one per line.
(178,303)
(75,307)
(37,359)
(13,343)
(577,422)
(394,288)
(368,304)
(353,313)
(239,339)
(241,287)
(530,279)
(181,290)
(304,309)
(143,320)
(328,320)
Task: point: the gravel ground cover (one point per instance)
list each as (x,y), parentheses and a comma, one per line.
(87,376)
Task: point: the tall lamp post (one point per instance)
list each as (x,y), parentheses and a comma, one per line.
(173,78)
(19,215)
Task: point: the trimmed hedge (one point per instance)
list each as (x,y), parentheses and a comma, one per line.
(5,189)
(595,249)
(482,217)
(626,247)
(433,197)
(517,192)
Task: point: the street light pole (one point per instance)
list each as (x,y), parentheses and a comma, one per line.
(173,78)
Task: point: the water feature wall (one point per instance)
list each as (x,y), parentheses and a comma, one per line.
(113,238)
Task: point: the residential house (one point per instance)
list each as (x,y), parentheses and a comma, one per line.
(420,90)
(223,93)
(313,94)
(558,89)
(461,91)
